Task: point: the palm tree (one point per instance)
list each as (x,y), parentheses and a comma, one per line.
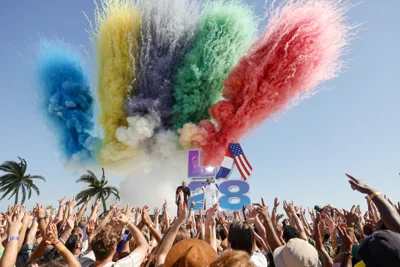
(15,180)
(97,189)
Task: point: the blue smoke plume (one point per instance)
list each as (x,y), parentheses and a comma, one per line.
(66,100)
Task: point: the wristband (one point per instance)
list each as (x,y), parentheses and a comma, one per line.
(61,249)
(373,195)
(208,236)
(350,229)
(348,254)
(24,226)
(12,238)
(128,223)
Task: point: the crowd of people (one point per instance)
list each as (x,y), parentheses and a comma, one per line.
(255,236)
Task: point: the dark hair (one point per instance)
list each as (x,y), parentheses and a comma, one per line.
(326,237)
(368,229)
(290,232)
(72,243)
(241,236)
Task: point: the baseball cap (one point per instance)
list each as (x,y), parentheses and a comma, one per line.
(382,248)
(296,253)
(190,253)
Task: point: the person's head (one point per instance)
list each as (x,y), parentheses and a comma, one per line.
(208,181)
(382,248)
(290,232)
(297,252)
(368,230)
(190,253)
(79,232)
(73,243)
(326,237)
(241,236)
(104,243)
(181,235)
(183,184)
(233,258)
(380,225)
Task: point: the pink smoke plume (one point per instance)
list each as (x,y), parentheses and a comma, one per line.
(299,49)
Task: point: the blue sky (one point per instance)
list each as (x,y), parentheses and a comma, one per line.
(351,127)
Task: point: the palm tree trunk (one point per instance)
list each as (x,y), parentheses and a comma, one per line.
(16,196)
(104,203)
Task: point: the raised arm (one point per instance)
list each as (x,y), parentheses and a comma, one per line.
(11,249)
(166,217)
(272,238)
(387,212)
(318,241)
(142,246)
(61,204)
(52,239)
(210,232)
(152,227)
(168,241)
(82,210)
(295,219)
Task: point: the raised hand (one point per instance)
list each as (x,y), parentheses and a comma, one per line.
(351,217)
(40,213)
(347,241)
(262,210)
(61,202)
(51,234)
(359,185)
(192,204)
(276,203)
(182,214)
(252,211)
(14,224)
(90,228)
(114,206)
(122,219)
(210,219)
(165,205)
(156,212)
(71,221)
(28,217)
(128,210)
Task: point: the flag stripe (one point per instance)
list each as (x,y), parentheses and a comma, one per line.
(244,163)
(247,162)
(240,168)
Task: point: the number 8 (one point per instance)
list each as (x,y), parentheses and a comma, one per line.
(226,187)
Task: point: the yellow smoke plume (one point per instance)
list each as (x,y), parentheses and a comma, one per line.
(117,37)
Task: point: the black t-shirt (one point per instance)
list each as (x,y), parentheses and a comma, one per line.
(186,193)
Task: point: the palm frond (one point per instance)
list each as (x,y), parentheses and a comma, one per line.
(87,179)
(12,167)
(7,190)
(23,165)
(113,190)
(9,177)
(15,191)
(29,189)
(37,177)
(23,193)
(34,187)
(84,194)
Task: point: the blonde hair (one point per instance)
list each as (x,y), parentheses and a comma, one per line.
(233,258)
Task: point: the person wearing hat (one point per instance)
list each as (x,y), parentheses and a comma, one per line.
(382,248)
(296,253)
(190,253)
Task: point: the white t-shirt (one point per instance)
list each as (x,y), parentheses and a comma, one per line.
(132,260)
(259,259)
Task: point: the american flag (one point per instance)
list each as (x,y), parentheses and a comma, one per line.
(241,161)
